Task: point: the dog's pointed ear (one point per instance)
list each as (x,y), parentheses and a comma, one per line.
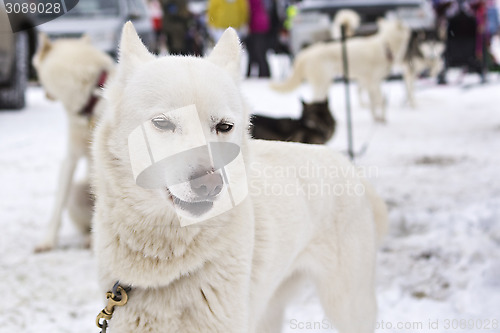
(227,53)
(44,43)
(132,50)
(44,47)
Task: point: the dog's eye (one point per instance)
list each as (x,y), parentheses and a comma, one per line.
(223,127)
(163,124)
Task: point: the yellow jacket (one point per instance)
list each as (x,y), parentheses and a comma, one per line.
(223,14)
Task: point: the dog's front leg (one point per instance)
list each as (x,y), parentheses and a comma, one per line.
(409,76)
(361,90)
(376,102)
(65,180)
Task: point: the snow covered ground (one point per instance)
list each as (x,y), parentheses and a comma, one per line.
(436,166)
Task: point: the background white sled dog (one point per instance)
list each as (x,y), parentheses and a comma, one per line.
(423,53)
(370,61)
(69,71)
(233,272)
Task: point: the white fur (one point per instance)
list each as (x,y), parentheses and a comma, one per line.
(68,71)
(346,17)
(232,273)
(368,60)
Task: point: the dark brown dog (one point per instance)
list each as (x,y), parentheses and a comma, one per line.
(316,125)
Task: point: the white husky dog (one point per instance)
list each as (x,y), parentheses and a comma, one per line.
(70,71)
(421,54)
(232,272)
(370,61)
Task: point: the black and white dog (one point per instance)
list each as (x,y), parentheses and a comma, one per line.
(316,125)
(423,55)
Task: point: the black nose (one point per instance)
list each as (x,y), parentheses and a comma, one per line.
(208,185)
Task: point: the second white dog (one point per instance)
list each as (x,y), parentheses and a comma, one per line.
(370,61)
(70,71)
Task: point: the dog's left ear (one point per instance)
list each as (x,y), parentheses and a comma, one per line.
(44,44)
(227,53)
(44,47)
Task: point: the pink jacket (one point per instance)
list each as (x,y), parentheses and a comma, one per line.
(259,19)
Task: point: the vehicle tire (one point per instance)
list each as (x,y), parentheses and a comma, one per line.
(13,96)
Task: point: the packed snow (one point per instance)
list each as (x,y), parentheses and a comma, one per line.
(436,166)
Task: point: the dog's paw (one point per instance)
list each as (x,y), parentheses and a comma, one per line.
(44,247)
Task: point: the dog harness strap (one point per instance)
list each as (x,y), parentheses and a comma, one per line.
(116,297)
(88,109)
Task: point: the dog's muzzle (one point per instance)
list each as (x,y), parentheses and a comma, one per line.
(205,190)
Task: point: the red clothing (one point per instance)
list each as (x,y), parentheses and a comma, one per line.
(259,19)
(157,23)
(479,8)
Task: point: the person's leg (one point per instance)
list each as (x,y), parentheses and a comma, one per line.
(249,41)
(261,50)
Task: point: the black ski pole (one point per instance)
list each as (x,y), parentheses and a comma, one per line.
(350,150)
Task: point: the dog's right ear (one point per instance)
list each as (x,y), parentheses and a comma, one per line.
(132,51)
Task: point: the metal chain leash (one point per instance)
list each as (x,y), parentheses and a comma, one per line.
(116,297)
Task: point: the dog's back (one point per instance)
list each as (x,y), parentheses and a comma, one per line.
(268,128)
(319,121)
(316,125)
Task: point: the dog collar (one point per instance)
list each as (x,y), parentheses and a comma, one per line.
(88,109)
